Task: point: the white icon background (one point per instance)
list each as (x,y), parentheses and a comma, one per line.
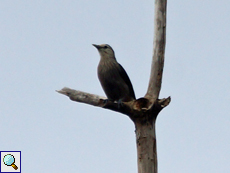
(5,168)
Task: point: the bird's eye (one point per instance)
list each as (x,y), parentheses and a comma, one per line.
(106,47)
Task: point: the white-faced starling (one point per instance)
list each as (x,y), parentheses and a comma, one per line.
(113,78)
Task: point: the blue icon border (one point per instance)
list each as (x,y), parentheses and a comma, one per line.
(10,152)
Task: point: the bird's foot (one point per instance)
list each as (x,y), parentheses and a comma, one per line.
(105,101)
(120,103)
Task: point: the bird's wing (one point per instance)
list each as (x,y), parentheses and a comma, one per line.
(125,77)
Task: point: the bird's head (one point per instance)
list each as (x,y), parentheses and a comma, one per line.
(105,51)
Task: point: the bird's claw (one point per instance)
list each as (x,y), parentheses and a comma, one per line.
(120,103)
(105,101)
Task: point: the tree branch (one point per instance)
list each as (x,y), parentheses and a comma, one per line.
(143,111)
(83,97)
(99,101)
(158,51)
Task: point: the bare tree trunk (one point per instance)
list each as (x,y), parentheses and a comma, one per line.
(143,111)
(145,132)
(146,147)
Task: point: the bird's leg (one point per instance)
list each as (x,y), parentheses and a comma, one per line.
(120,103)
(105,101)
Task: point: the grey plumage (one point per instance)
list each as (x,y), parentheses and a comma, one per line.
(113,78)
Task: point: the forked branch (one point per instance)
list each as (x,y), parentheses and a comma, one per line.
(142,111)
(158,51)
(95,100)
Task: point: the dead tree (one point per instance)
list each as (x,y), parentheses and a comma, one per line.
(143,111)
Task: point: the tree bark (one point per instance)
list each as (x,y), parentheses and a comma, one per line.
(145,132)
(146,147)
(143,111)
(158,51)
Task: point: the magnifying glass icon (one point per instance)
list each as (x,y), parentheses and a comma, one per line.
(9,160)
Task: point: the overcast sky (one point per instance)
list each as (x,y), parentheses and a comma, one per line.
(47,45)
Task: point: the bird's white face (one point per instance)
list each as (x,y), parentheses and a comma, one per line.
(105,50)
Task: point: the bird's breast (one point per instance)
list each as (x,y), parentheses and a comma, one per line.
(108,69)
(111,80)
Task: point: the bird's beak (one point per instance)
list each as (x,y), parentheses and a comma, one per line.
(97,46)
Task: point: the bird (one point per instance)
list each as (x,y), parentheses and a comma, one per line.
(112,76)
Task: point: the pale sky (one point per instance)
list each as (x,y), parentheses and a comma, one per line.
(47,45)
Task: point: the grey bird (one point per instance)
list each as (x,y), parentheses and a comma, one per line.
(112,76)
